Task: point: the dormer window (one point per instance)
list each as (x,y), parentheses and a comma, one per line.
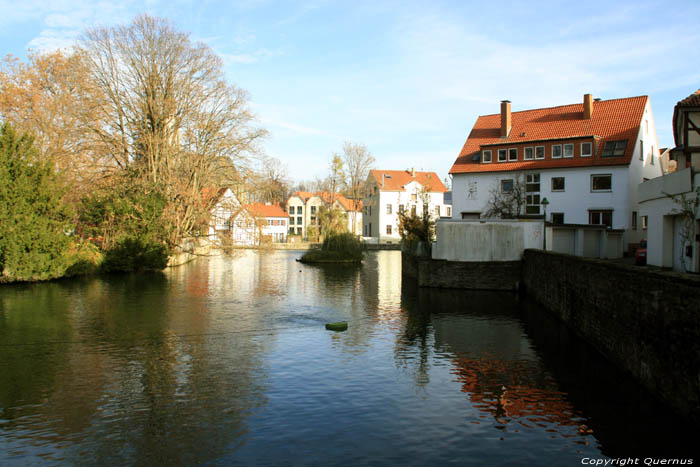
(614,148)
(568,150)
(486,156)
(586,149)
(501,155)
(556,151)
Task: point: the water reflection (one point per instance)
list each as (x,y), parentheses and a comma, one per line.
(218,360)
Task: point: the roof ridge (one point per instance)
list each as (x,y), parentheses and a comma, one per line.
(566,105)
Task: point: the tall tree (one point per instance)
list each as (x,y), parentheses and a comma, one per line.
(33,219)
(167,111)
(358,162)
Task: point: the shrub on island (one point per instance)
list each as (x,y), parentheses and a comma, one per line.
(337,248)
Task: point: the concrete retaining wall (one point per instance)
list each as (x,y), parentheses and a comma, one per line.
(645,322)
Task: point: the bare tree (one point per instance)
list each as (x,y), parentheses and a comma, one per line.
(358,162)
(508,198)
(166,111)
(269,182)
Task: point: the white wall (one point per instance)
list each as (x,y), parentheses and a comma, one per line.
(575,201)
(495,240)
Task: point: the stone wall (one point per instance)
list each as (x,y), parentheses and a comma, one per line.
(646,322)
(474,275)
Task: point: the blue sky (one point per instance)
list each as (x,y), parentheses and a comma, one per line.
(407,79)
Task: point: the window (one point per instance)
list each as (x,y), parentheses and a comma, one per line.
(602,217)
(401,208)
(388,230)
(449,211)
(557,217)
(556,151)
(501,155)
(558,184)
(298,209)
(641,149)
(614,148)
(313,210)
(529,154)
(568,150)
(313,220)
(299,221)
(532,194)
(513,154)
(539,152)
(437,211)
(291,221)
(652,156)
(586,149)
(388,208)
(646,126)
(634,220)
(298,230)
(486,156)
(601,182)
(645,220)
(413,210)
(507,186)
(425,209)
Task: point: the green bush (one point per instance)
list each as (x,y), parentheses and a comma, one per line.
(337,248)
(34,220)
(135,254)
(83,258)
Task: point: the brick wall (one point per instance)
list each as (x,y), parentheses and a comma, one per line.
(646,322)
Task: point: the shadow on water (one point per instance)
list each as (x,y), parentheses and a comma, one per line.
(525,369)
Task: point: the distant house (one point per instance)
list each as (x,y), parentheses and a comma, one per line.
(224,205)
(392,191)
(587,159)
(303,208)
(271,219)
(667,203)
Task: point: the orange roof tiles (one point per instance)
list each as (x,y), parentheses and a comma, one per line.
(614,119)
(265,210)
(396,180)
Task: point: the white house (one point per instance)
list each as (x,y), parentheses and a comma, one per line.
(303,208)
(224,205)
(271,220)
(669,204)
(587,159)
(392,191)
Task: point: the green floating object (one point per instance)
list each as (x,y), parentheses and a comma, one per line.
(339,326)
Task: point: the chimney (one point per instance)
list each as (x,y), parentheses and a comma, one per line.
(413,171)
(505,119)
(587,106)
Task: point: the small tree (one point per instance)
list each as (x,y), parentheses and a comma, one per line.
(34,221)
(414,227)
(358,162)
(508,200)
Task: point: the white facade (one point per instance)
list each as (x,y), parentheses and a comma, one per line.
(578,201)
(226,206)
(381,208)
(671,237)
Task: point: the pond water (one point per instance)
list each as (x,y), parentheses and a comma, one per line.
(226,361)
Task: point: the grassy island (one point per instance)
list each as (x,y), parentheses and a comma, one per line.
(337,248)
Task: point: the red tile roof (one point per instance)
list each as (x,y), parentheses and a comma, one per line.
(396,180)
(692,100)
(611,120)
(265,210)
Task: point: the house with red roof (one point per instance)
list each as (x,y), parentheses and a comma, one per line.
(587,160)
(392,191)
(303,208)
(223,205)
